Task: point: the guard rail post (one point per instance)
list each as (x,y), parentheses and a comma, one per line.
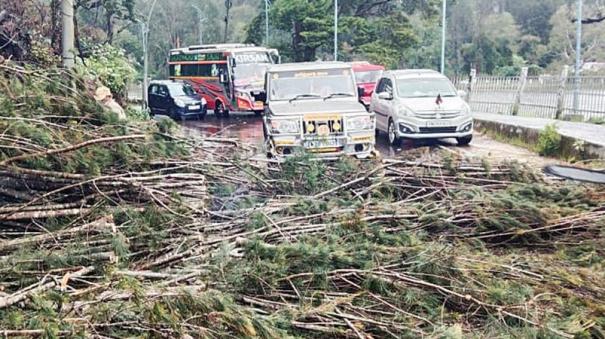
(522,83)
(561,93)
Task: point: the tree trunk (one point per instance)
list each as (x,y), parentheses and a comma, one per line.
(55,25)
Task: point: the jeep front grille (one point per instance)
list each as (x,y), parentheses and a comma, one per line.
(315,127)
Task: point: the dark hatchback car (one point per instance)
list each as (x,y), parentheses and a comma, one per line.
(175,99)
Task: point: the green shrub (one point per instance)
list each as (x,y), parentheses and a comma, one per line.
(549,141)
(110,66)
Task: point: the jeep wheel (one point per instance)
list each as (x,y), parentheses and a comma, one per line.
(464,141)
(394,139)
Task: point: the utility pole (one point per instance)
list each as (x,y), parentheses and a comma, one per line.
(335,30)
(201,19)
(443,30)
(576,94)
(145,36)
(67,44)
(267,23)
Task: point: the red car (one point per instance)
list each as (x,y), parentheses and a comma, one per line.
(366,75)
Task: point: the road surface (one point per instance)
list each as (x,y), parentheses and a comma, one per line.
(249,129)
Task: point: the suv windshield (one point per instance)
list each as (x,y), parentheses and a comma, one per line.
(180,90)
(323,83)
(422,88)
(367,77)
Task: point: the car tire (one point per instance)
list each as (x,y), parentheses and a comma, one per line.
(394,139)
(464,141)
(202,115)
(172,115)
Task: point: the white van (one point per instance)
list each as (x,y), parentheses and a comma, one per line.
(420,104)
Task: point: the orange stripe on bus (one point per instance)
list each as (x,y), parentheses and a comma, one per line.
(197,62)
(194,78)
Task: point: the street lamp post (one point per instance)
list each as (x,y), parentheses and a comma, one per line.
(335,30)
(201,19)
(145,36)
(443,30)
(576,95)
(267,22)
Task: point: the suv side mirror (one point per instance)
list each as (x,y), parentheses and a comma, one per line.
(385,96)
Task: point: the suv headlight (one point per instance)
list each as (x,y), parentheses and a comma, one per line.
(179,102)
(284,126)
(360,123)
(405,112)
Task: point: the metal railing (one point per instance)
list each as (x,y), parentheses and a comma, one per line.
(550,97)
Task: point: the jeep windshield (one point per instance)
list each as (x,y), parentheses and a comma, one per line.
(311,84)
(425,88)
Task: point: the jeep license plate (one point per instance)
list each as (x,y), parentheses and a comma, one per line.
(194,107)
(321,143)
(438,123)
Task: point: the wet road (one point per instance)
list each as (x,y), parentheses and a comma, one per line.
(248,128)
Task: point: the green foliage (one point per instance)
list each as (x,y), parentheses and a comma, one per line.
(110,66)
(549,141)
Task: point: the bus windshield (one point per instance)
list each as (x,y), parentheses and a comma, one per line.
(290,85)
(250,74)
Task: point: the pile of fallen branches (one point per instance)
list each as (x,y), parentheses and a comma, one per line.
(114,228)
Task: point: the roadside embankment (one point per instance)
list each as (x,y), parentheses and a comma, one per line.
(574,140)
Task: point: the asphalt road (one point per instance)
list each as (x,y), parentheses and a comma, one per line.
(248,128)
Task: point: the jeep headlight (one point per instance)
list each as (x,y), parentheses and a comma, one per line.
(405,112)
(285,126)
(360,123)
(179,102)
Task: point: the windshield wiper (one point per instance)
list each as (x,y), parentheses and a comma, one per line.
(302,96)
(333,95)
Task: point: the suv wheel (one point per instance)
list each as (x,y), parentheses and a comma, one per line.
(394,140)
(464,141)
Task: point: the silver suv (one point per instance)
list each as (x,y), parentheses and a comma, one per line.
(420,104)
